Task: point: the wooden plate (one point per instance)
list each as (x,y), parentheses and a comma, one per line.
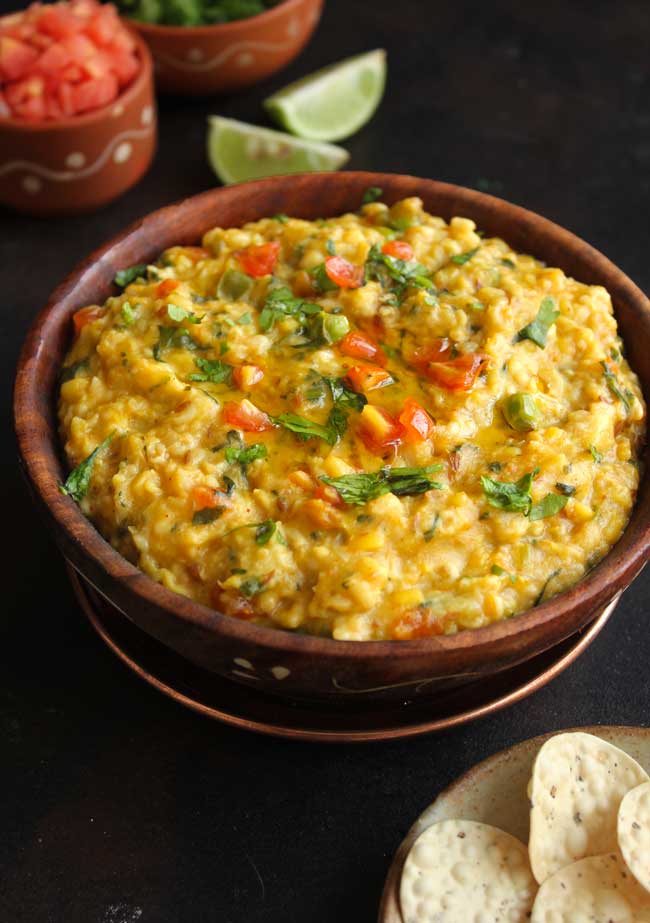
(265,713)
(494,792)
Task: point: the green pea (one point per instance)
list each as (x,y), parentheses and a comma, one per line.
(335,327)
(521,411)
(234,285)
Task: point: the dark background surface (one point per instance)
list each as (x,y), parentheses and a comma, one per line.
(117,805)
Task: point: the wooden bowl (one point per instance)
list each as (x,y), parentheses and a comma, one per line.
(83,162)
(200,60)
(276,660)
(495,792)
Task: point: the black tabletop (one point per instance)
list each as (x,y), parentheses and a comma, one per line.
(117,805)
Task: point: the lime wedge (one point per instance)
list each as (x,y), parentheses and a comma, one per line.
(332,103)
(238,152)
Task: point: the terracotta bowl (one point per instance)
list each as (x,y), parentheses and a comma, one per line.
(200,60)
(80,163)
(276,660)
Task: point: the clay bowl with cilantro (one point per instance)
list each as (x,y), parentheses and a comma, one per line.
(201,48)
(284,662)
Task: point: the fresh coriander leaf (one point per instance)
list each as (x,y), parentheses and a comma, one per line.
(363,487)
(400,224)
(506,495)
(205,516)
(173,338)
(244,319)
(337,421)
(395,274)
(128,314)
(431,531)
(595,454)
(461,258)
(251,587)
(321,280)
(549,506)
(68,372)
(244,455)
(78,481)
(345,396)
(213,370)
(179,314)
(125,277)
(508,262)
(281,217)
(330,247)
(538,329)
(372,194)
(306,429)
(280,302)
(542,592)
(567,489)
(499,571)
(265,531)
(614,387)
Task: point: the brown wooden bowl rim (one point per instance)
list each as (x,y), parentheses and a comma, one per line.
(614,572)
(223,28)
(127,95)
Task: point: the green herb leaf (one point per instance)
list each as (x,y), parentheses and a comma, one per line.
(233,285)
(625,397)
(595,454)
(128,314)
(244,319)
(549,506)
(213,370)
(345,396)
(461,258)
(541,593)
(431,531)
(357,489)
(179,314)
(306,429)
(331,247)
(499,571)
(321,280)
(280,302)
(244,455)
(78,481)
(281,217)
(506,495)
(567,489)
(207,515)
(538,329)
(337,421)
(372,194)
(508,262)
(251,587)
(68,372)
(126,276)
(395,274)
(265,531)
(173,338)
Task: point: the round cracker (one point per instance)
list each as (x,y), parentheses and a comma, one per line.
(599,889)
(577,787)
(634,832)
(460,871)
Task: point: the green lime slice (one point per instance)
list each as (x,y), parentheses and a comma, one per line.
(332,103)
(238,152)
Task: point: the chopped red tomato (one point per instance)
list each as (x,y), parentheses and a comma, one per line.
(437,351)
(245,415)
(399,249)
(359,346)
(245,376)
(328,494)
(207,498)
(378,430)
(86,316)
(416,624)
(417,423)
(343,273)
(231,603)
(81,49)
(369,377)
(16,58)
(259,260)
(166,287)
(457,374)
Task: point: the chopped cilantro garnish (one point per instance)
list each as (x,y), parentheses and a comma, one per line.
(173,338)
(595,454)
(499,571)
(508,262)
(549,506)
(625,397)
(179,314)
(330,247)
(213,370)
(395,274)
(461,258)
(125,277)
(431,531)
(540,595)
(244,455)
(281,217)
(307,429)
(567,489)
(361,488)
(320,279)
(280,302)
(78,481)
(506,495)
(538,329)
(251,587)
(207,515)
(244,319)
(265,531)
(345,396)
(372,194)
(69,372)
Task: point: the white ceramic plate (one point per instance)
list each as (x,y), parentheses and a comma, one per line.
(494,792)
